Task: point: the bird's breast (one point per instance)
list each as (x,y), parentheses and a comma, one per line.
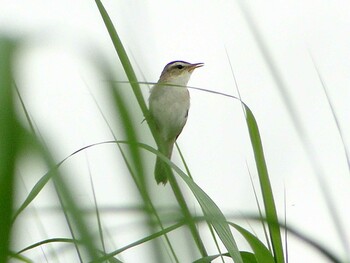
(169,107)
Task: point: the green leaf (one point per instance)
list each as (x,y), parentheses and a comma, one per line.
(211,211)
(214,216)
(129,71)
(262,254)
(60,240)
(209,259)
(124,59)
(265,185)
(139,242)
(248,257)
(137,91)
(33,193)
(8,145)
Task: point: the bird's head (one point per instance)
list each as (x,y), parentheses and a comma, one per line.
(178,72)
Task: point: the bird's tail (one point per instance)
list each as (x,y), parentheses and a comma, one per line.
(162,169)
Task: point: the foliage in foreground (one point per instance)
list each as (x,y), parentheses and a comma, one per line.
(16,140)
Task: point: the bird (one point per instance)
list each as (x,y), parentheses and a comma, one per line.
(169,103)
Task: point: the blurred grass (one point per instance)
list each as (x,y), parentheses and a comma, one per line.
(296,120)
(9,140)
(332,109)
(209,208)
(138,94)
(13,137)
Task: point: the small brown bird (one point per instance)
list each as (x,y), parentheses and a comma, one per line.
(169,106)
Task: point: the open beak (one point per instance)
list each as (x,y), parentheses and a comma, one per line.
(194,66)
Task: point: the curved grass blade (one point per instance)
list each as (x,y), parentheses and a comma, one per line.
(317,246)
(262,254)
(33,193)
(19,258)
(209,259)
(210,210)
(59,240)
(246,256)
(141,241)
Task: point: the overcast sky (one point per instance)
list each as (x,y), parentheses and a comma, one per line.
(55,73)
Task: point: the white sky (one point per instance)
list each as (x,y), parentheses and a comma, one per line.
(55,71)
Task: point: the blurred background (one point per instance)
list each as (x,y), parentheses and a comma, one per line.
(272,49)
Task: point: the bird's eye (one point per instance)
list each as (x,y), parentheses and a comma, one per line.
(179,66)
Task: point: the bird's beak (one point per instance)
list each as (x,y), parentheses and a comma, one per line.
(194,66)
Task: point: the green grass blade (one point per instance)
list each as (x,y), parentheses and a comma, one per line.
(211,211)
(210,258)
(135,165)
(319,247)
(301,131)
(96,208)
(255,194)
(262,254)
(47,241)
(129,71)
(59,240)
(260,211)
(141,241)
(246,256)
(25,111)
(124,115)
(215,217)
(8,145)
(19,258)
(265,185)
(33,193)
(69,205)
(124,112)
(137,91)
(76,217)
